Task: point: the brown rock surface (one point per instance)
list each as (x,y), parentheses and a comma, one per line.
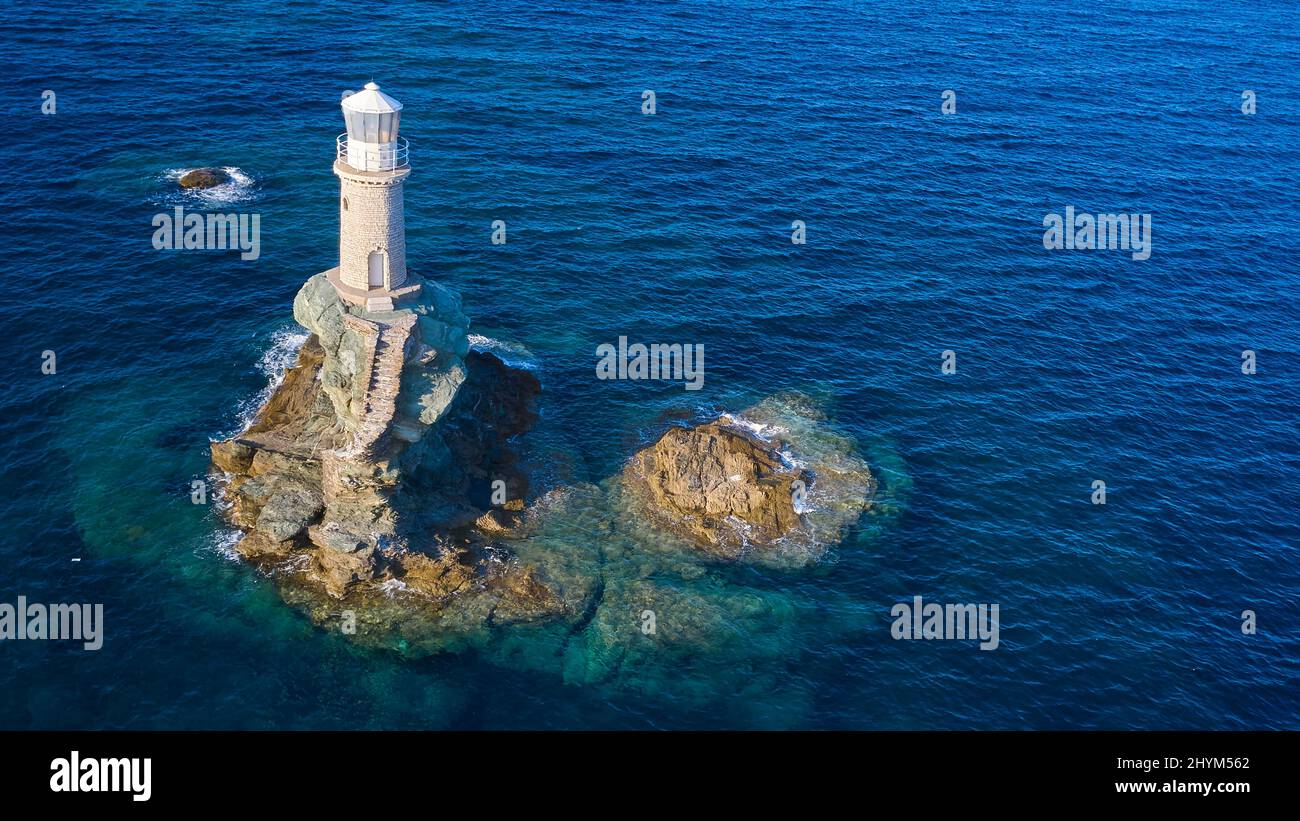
(440,577)
(328,515)
(497,523)
(338,571)
(717,485)
(204,178)
(522,596)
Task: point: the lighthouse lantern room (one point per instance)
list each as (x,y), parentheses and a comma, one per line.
(372,119)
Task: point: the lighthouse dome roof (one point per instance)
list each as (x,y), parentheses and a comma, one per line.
(370,100)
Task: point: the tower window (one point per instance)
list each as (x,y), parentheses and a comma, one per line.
(345,203)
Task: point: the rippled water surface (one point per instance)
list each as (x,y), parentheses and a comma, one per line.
(924,235)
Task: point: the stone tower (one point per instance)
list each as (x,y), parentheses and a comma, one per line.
(371,164)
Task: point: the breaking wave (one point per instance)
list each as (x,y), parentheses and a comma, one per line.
(280,355)
(511,353)
(223,544)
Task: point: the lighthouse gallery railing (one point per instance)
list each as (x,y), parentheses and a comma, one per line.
(383,158)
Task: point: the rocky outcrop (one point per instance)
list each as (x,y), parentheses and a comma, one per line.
(718,485)
(431,337)
(204,178)
(274,489)
(388,477)
(346,479)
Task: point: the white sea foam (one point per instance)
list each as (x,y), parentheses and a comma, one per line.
(791,460)
(283,352)
(223,544)
(392,587)
(766,431)
(511,353)
(762,430)
(218,486)
(297,563)
(279,355)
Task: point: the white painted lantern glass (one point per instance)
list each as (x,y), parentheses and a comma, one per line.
(372,119)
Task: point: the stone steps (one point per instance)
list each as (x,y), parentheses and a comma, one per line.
(384,372)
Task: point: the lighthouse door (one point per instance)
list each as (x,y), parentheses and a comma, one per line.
(376,278)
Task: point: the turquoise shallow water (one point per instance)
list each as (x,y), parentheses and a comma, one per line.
(924,235)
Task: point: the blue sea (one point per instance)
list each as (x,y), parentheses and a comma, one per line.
(924,235)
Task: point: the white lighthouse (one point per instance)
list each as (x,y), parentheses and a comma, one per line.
(371,164)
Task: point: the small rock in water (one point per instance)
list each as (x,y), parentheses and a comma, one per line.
(718,485)
(204,178)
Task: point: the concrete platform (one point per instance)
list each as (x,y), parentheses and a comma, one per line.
(382,299)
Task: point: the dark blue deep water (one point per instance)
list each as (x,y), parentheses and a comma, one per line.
(924,235)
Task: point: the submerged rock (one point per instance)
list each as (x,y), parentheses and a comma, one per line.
(646,629)
(204,178)
(498,523)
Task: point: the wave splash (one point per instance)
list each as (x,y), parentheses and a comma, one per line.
(279,356)
(511,353)
(241,187)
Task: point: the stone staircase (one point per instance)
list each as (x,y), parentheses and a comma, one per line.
(381,377)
